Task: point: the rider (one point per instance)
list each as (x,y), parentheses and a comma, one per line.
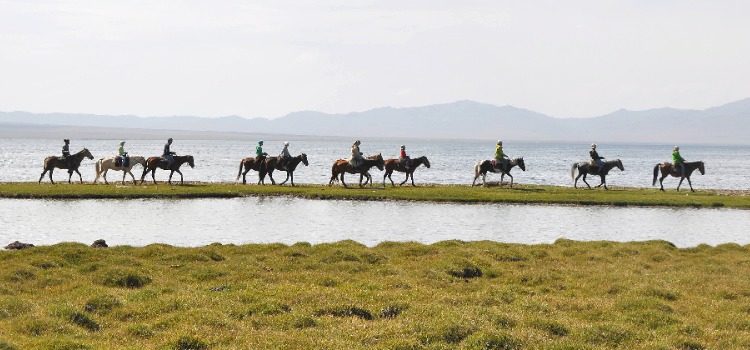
(168,155)
(679,162)
(500,157)
(356,159)
(596,158)
(285,155)
(122,155)
(404,159)
(66,151)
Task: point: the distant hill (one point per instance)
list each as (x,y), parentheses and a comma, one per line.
(726,124)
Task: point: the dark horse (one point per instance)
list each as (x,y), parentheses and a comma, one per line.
(586,168)
(158,162)
(395,164)
(72,163)
(483,167)
(273,163)
(251,163)
(669,169)
(342,166)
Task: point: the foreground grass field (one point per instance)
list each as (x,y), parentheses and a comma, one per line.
(483,295)
(436,193)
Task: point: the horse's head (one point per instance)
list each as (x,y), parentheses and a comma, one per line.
(303,157)
(426,161)
(521,163)
(702,168)
(87,154)
(380,163)
(191,161)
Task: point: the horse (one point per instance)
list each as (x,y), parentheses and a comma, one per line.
(585,168)
(71,163)
(669,169)
(483,167)
(342,166)
(105,164)
(395,164)
(248,164)
(273,163)
(159,162)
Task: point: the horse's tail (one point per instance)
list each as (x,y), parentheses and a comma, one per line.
(477,168)
(573,170)
(240,172)
(656,173)
(98,168)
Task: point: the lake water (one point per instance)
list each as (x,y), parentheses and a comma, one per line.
(199,222)
(452,161)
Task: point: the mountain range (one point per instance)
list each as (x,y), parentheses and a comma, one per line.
(725,124)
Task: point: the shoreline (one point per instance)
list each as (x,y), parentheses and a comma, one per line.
(519,194)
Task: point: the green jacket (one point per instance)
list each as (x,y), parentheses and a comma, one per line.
(259,151)
(499,152)
(677,158)
(121,151)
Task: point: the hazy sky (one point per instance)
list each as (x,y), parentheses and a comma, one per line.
(268,58)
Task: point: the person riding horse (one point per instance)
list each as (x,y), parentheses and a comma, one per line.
(501,159)
(168,155)
(66,151)
(357,156)
(404,159)
(679,162)
(284,156)
(122,159)
(596,159)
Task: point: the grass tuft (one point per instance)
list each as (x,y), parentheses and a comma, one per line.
(124,279)
(345,311)
(189,343)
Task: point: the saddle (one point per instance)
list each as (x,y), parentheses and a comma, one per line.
(122,161)
(497,165)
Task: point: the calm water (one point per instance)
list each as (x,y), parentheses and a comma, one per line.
(287,220)
(452,161)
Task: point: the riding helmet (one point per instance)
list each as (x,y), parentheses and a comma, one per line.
(676,148)
(403,147)
(66,140)
(593,145)
(122,142)
(286,143)
(357,142)
(500,142)
(260,142)
(169,139)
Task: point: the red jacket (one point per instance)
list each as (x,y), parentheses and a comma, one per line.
(403,154)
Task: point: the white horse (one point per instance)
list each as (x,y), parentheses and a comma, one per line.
(105,164)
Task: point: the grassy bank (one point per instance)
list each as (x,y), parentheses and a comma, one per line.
(483,295)
(436,193)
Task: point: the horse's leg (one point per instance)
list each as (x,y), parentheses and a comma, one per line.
(42,176)
(124,173)
(179,172)
(153,176)
(502,176)
(412,179)
(511,180)
(691,184)
(575,183)
(131,175)
(678,185)
(288,175)
(244,174)
(342,178)
(70,175)
(661,183)
(270,176)
(601,178)
(80,178)
(586,182)
(104,176)
(50,175)
(405,179)
(604,182)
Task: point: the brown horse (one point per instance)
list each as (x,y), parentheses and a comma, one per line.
(586,168)
(273,163)
(251,163)
(71,163)
(668,169)
(152,163)
(395,164)
(342,166)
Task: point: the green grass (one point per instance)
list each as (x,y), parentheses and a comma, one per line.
(567,295)
(435,193)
